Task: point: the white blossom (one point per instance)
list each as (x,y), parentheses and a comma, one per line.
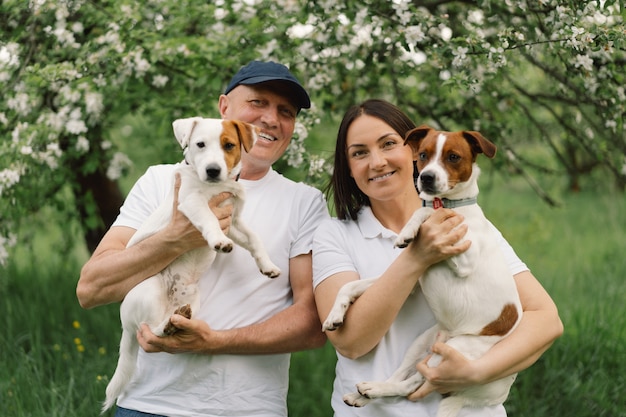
(118,164)
(611,124)
(583,61)
(414,34)
(446,33)
(8,178)
(82,144)
(77,27)
(220,13)
(69,94)
(160,80)
(316,166)
(476,16)
(20,103)
(460,55)
(100,81)
(94,104)
(9,55)
(619,90)
(300,31)
(301,131)
(137,63)
(5,243)
(75,124)
(111,37)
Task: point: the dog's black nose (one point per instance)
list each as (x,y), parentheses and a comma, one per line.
(427,181)
(213,171)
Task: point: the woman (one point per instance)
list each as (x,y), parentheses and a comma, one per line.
(374,195)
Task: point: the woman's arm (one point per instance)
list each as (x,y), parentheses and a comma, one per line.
(371,315)
(539,328)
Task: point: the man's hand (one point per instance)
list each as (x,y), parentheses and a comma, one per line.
(223,211)
(191,337)
(180,231)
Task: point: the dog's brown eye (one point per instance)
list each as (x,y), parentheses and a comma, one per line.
(454,157)
(200,144)
(229,146)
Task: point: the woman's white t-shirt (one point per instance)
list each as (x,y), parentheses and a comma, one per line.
(285,215)
(365,246)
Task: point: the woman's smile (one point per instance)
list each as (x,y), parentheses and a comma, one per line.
(382,177)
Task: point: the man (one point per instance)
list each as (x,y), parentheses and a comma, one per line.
(232,358)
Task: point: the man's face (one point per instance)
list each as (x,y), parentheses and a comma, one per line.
(274,114)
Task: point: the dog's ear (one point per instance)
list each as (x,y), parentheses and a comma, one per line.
(414,136)
(479,144)
(247,132)
(183,129)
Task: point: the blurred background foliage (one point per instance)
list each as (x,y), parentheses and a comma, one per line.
(90,88)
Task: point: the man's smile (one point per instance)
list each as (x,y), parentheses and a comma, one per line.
(267,136)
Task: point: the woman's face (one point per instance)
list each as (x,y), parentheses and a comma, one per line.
(380,164)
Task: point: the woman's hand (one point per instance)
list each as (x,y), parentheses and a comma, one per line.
(453,373)
(439,237)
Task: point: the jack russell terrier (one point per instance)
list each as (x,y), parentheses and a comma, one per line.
(212,150)
(473,295)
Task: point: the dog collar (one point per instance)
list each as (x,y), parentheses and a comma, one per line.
(438,203)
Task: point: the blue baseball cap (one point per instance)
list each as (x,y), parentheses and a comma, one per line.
(257,72)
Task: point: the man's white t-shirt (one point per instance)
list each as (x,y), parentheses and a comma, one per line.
(365,246)
(285,215)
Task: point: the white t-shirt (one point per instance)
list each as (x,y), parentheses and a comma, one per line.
(233,294)
(365,246)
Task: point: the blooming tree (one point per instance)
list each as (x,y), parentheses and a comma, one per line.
(522,72)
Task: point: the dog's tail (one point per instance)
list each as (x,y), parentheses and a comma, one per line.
(125,368)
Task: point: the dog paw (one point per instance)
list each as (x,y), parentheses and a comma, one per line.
(335,317)
(368,389)
(355,399)
(403,241)
(329,326)
(184,311)
(271,273)
(224,246)
(268,269)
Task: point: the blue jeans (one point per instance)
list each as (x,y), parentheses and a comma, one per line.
(125,412)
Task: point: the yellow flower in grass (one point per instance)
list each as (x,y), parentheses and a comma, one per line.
(76,324)
(79,344)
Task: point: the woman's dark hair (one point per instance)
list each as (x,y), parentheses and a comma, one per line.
(345,194)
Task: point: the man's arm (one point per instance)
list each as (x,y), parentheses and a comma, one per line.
(114,269)
(293,329)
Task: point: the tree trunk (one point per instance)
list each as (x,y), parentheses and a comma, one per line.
(99,200)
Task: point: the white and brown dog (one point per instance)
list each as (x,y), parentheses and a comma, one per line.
(472,295)
(212,150)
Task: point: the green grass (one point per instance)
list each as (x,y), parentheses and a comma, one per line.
(55,358)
